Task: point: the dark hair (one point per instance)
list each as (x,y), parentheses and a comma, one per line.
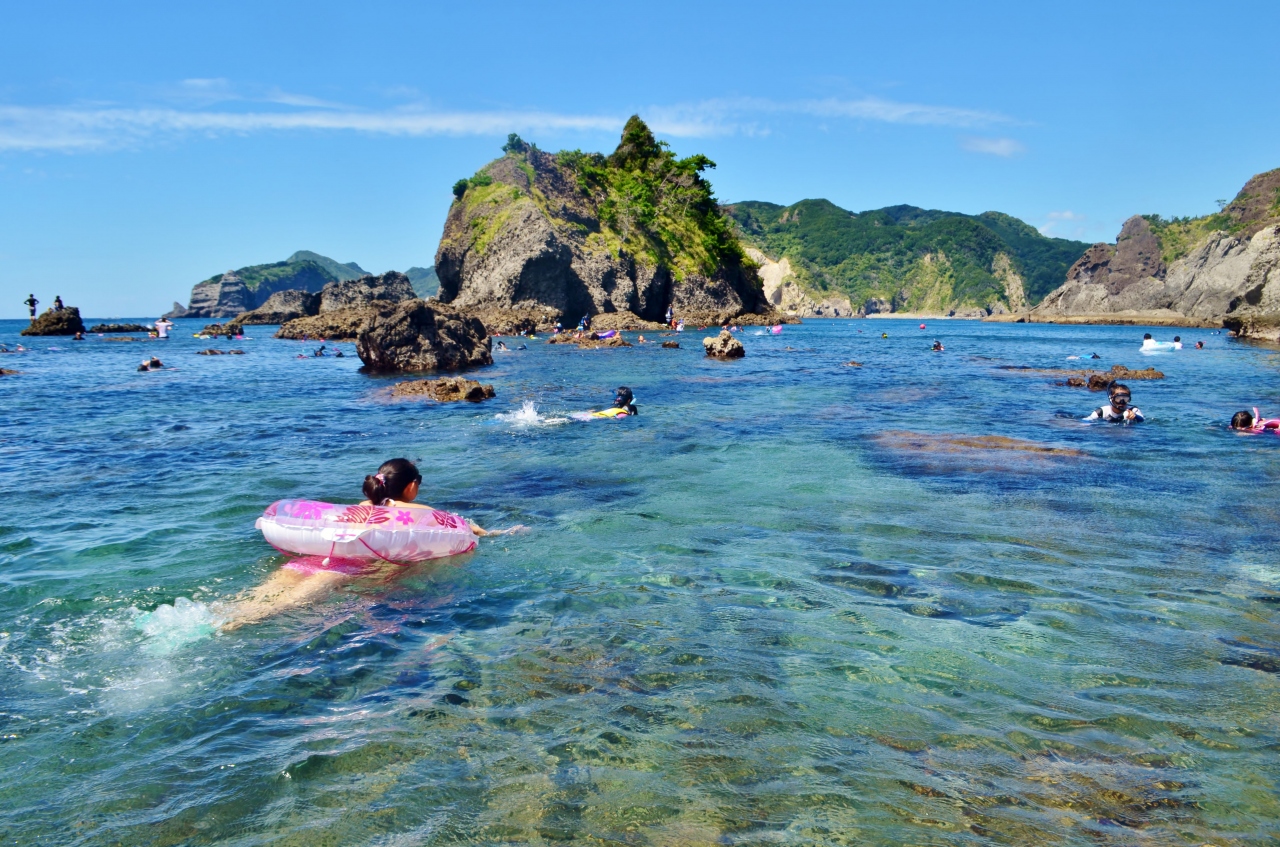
(1117,388)
(397,475)
(624,396)
(1177,338)
(1242,420)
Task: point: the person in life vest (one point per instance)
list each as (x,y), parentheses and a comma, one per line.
(623,405)
(1118,409)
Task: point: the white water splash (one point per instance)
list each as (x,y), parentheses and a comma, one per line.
(527,415)
(170,627)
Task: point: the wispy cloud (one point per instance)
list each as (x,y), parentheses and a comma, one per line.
(752,115)
(1003,147)
(1064,224)
(74,130)
(215,107)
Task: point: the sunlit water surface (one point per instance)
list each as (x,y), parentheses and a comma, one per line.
(780,607)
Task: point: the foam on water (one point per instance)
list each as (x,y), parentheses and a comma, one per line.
(527,415)
(169,627)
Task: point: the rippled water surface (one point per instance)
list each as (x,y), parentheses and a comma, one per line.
(793,602)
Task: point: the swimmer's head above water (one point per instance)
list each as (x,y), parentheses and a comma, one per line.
(1242,420)
(397,479)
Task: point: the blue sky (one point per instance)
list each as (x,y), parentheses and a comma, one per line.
(147,146)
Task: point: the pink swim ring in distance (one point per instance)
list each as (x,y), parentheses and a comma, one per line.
(340,535)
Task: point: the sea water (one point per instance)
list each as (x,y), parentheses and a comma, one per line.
(794,601)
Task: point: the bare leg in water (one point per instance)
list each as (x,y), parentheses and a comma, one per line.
(285,589)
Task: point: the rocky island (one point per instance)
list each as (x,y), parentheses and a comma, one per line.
(536,237)
(228,294)
(1215,270)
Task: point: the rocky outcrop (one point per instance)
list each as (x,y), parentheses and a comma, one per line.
(342,325)
(671,345)
(64,322)
(391,287)
(447,389)
(282,307)
(7,372)
(1218,269)
(110,328)
(337,297)
(589,340)
(559,234)
(724,346)
(212,352)
(417,336)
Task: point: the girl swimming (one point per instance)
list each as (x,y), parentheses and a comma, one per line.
(298,582)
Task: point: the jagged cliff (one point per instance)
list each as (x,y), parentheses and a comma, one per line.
(571,234)
(1220,268)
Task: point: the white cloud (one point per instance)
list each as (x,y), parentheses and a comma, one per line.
(1003,147)
(1060,224)
(97,127)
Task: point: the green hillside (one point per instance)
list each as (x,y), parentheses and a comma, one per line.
(424,281)
(279,276)
(341,272)
(919,259)
(303,270)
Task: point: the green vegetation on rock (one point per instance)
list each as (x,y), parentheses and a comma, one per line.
(279,276)
(1257,204)
(641,200)
(917,259)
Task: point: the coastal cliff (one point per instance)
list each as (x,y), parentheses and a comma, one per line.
(1209,271)
(559,236)
(229,294)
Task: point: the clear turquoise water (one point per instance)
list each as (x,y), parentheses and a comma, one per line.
(747,617)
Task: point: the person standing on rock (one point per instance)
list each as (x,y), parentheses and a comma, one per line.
(57,303)
(31,303)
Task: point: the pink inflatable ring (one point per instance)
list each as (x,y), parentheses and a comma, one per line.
(359,534)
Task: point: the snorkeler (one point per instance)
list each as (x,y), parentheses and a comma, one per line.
(624,405)
(1245,422)
(395,484)
(1118,409)
(937,347)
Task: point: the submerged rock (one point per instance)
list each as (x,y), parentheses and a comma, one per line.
(212,352)
(724,346)
(671,345)
(7,372)
(65,322)
(447,389)
(415,336)
(108,328)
